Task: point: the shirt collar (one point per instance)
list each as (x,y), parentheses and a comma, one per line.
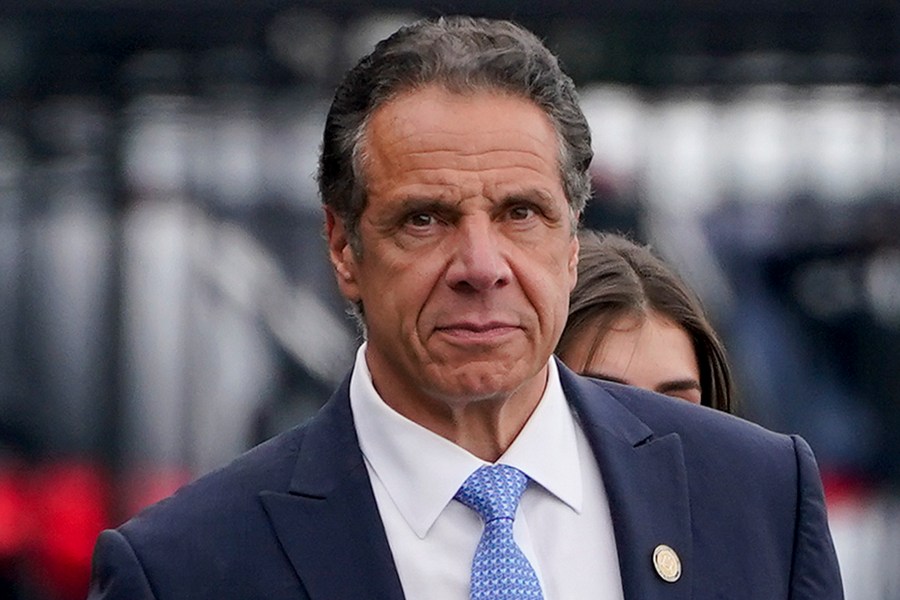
(421,471)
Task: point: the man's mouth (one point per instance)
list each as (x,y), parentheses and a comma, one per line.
(477,331)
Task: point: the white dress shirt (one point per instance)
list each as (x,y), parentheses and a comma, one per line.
(563,524)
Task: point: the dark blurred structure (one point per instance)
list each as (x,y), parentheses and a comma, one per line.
(165,298)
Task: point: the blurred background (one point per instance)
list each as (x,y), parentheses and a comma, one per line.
(165,299)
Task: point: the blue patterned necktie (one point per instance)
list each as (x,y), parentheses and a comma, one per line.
(499,570)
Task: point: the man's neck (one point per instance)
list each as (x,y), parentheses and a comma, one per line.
(485,427)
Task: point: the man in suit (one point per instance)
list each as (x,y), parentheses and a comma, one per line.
(453,171)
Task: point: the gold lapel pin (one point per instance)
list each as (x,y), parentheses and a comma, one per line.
(666,563)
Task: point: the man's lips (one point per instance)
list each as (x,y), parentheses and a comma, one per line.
(474,330)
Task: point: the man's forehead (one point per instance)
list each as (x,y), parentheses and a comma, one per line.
(415,110)
(425,125)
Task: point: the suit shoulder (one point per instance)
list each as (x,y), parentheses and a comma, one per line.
(204,540)
(226,493)
(725,456)
(700,428)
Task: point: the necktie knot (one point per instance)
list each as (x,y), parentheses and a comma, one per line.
(493,491)
(500,571)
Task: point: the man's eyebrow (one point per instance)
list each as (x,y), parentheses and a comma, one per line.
(424,204)
(678,385)
(538,195)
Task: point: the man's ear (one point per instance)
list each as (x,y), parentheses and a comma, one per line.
(573,261)
(342,257)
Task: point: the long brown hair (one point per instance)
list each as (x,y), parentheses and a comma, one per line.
(617,277)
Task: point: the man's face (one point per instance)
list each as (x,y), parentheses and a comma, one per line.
(468,254)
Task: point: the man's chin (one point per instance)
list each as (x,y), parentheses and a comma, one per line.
(479,385)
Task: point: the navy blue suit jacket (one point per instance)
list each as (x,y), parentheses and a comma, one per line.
(295,518)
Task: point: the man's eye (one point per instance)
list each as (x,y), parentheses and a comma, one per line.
(521,213)
(421,220)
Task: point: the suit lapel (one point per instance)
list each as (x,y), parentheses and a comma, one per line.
(328,523)
(646,483)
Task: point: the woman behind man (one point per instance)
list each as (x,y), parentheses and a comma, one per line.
(633,320)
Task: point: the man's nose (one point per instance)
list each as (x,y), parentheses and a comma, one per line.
(478,261)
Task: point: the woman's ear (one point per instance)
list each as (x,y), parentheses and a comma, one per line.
(343,259)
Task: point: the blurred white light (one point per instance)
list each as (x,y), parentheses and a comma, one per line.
(757,134)
(291,153)
(617,116)
(683,164)
(844,142)
(236,142)
(156,144)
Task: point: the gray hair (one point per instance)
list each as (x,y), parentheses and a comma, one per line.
(462,54)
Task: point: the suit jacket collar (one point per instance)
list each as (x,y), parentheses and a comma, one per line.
(328,522)
(646,483)
(329,526)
